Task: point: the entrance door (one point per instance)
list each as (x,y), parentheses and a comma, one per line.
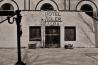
(52,37)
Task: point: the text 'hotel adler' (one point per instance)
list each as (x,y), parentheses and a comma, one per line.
(51,23)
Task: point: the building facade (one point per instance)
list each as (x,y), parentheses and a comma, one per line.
(51,23)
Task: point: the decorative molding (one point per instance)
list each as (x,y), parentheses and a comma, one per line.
(41,2)
(12,2)
(81,3)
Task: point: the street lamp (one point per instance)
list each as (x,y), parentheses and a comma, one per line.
(19,31)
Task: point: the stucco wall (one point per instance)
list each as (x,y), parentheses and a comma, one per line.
(84,29)
(8,36)
(85,36)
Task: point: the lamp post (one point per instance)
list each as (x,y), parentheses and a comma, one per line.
(19,31)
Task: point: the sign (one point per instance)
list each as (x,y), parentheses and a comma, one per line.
(52,18)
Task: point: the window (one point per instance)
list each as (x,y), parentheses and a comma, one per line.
(87,9)
(7,6)
(47,7)
(70,33)
(7,10)
(35,33)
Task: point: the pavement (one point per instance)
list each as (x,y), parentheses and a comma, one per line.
(51,56)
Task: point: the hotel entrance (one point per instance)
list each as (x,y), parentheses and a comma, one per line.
(52,37)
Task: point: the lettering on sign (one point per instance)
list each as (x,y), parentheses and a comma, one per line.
(52,18)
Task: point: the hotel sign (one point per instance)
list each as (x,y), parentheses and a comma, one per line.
(52,18)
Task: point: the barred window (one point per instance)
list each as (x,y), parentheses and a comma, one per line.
(35,33)
(70,33)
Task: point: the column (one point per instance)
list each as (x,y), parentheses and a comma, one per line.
(65,5)
(96,32)
(26,4)
(42,33)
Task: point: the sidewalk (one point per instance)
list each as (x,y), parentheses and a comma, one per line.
(51,56)
(9,56)
(78,56)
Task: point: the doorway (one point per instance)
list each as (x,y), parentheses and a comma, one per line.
(52,37)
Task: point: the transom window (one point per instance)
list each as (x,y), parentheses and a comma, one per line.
(70,33)
(46,7)
(35,33)
(7,6)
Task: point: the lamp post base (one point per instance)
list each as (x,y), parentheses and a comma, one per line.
(20,63)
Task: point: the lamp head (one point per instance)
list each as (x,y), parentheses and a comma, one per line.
(17,12)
